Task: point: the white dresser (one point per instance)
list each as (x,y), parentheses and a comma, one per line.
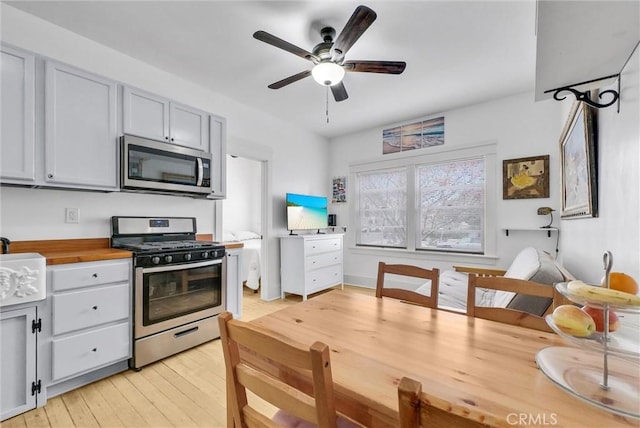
(310,263)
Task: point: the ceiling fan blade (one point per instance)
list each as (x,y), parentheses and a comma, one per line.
(263,36)
(288,80)
(339,92)
(361,19)
(388,67)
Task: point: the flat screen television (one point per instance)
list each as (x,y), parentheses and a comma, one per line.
(306,212)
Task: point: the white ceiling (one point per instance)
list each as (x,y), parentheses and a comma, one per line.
(457,52)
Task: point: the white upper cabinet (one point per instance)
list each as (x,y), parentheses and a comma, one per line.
(145,115)
(80,129)
(218,132)
(189,127)
(150,116)
(17,116)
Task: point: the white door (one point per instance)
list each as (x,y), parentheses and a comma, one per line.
(80,128)
(17,116)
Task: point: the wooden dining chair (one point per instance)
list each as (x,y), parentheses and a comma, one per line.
(407,295)
(297,407)
(415,412)
(507,315)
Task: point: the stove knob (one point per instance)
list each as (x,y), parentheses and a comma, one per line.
(155,260)
(168,259)
(205,255)
(187,256)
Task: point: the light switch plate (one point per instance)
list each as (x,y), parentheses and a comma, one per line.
(71,215)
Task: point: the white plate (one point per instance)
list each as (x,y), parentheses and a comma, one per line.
(580,372)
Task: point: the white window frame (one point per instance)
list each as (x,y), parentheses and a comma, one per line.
(410,160)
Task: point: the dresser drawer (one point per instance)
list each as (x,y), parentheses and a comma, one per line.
(80,275)
(85,351)
(322,260)
(316,246)
(76,310)
(321,278)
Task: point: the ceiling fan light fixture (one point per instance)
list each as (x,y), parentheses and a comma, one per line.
(327,73)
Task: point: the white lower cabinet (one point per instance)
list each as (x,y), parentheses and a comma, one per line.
(90,329)
(18,374)
(310,263)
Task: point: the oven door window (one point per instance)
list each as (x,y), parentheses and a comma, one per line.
(174,293)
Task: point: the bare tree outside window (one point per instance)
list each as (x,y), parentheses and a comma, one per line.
(451,211)
(382,208)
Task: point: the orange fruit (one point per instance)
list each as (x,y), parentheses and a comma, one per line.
(622,282)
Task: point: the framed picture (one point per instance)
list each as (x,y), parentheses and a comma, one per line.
(579,169)
(525,178)
(339,190)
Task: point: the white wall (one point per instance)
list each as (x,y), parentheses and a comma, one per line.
(39,214)
(241,209)
(519,126)
(617,228)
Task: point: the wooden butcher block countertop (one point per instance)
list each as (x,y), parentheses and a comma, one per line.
(61,251)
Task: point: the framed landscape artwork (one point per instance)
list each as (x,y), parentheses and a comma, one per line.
(417,135)
(525,178)
(579,169)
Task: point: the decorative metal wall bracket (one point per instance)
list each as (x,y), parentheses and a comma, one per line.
(585,95)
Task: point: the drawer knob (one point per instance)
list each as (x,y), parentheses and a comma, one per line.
(95,275)
(95,308)
(94,350)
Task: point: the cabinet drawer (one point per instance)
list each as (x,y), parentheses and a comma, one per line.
(86,351)
(321,278)
(87,308)
(322,260)
(87,274)
(317,246)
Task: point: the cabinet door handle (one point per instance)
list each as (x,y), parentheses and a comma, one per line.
(95,275)
(166,138)
(95,308)
(94,350)
(49,175)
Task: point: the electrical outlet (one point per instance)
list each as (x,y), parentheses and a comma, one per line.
(71,215)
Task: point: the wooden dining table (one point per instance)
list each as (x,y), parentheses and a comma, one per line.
(484,370)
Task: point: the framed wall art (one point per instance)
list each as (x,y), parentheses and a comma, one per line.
(339,190)
(525,178)
(579,169)
(417,135)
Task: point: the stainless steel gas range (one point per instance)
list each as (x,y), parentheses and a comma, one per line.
(179,284)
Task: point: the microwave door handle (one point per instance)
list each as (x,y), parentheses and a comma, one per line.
(200,172)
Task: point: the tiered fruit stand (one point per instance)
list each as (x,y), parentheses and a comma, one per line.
(604,368)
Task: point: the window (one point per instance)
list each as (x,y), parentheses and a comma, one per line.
(441,202)
(382,202)
(451,206)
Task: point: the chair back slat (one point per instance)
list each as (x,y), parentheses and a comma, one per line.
(507,315)
(243,345)
(407,295)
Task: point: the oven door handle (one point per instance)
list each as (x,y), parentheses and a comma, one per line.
(181,266)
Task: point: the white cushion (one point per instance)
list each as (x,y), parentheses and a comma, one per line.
(524,265)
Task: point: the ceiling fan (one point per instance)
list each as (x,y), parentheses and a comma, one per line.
(328,56)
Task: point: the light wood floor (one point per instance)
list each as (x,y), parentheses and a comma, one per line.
(184,390)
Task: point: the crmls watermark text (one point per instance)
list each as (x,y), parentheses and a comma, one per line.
(540,419)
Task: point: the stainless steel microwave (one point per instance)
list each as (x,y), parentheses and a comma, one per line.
(149,165)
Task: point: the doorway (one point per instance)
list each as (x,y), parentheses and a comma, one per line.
(244,217)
